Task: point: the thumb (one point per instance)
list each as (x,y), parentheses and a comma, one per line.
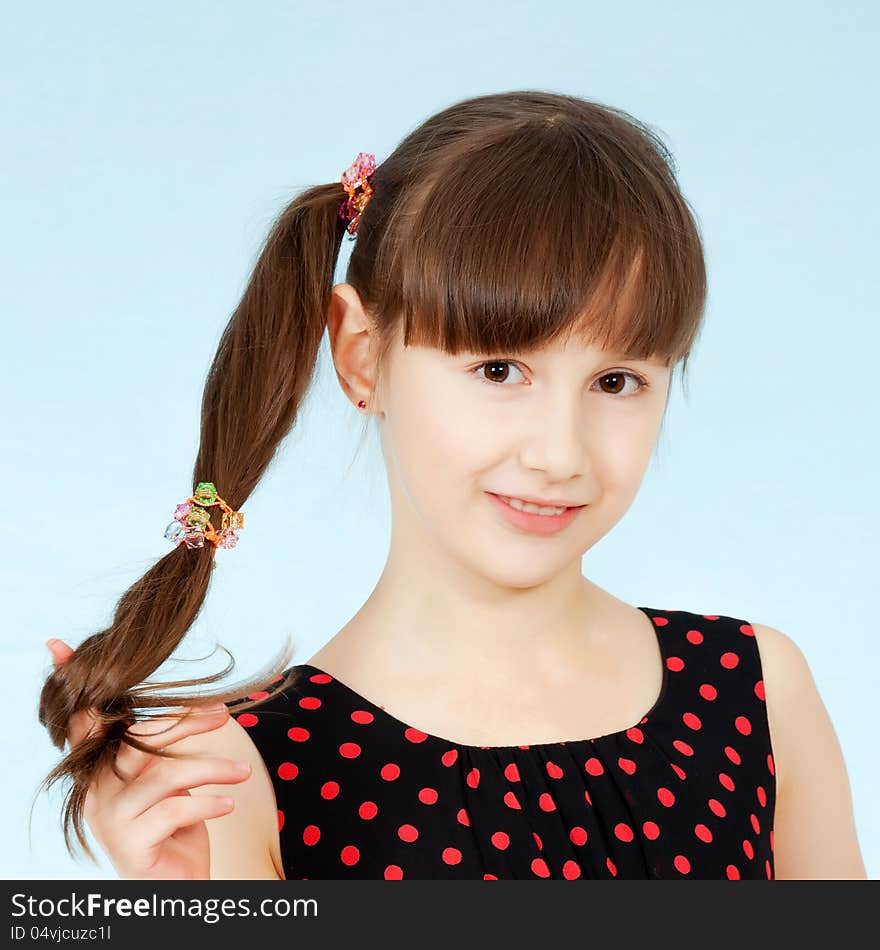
(59,651)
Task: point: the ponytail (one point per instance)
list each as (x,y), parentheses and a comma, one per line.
(263,368)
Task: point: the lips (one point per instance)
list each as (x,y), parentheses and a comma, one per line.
(534,523)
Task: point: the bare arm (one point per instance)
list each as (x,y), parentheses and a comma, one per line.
(244,843)
(814,828)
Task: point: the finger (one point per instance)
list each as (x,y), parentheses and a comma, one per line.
(82,724)
(59,651)
(170,778)
(164,731)
(158,824)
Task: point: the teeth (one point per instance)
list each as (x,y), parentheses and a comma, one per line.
(532,509)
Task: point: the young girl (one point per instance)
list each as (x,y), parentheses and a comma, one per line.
(526,277)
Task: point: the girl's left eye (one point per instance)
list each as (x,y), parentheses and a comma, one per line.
(640,381)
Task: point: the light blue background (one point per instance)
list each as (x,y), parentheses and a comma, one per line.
(147,148)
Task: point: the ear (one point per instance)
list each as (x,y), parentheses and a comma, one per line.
(349,330)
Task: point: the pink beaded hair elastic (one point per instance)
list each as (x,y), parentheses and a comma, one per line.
(192,523)
(358,189)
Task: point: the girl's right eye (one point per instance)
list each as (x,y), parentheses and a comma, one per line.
(496,368)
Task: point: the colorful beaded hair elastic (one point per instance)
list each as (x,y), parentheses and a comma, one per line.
(192,523)
(358,188)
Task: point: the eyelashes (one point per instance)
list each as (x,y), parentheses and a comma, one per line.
(641,383)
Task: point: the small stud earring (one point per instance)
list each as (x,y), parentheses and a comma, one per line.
(362,404)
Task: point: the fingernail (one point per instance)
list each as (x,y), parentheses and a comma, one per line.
(50,641)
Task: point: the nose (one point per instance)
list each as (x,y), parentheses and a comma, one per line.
(555,442)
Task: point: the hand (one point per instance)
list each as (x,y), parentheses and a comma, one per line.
(149,824)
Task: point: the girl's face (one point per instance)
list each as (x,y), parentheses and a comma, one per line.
(564,423)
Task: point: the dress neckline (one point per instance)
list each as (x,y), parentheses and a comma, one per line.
(382,713)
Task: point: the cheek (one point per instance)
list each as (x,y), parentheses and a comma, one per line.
(439,445)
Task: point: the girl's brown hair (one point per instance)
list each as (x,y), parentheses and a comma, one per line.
(502,223)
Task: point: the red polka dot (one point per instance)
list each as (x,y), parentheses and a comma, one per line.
(675,663)
(679,771)
(490,877)
(594,766)
(287,771)
(349,750)
(428,796)
(310,702)
(626,765)
(703,833)
(462,817)
(660,621)
(415,735)
(683,747)
(448,758)
(666,797)
(553,770)
(473,778)
(260,694)
(756,825)
(451,855)
(280,815)
(692,721)
(368,810)
(501,840)
(612,867)
(350,855)
(635,735)
(770,767)
(717,808)
(408,832)
(363,717)
(759,690)
(623,831)
(571,870)
(743,725)
(732,754)
(393,873)
(545,802)
(311,834)
(538,841)
(748,850)
(539,868)
(247,720)
(320,678)
(732,872)
(729,660)
(511,773)
(651,830)
(708,692)
(767,869)
(578,835)
(694,636)
(747,629)
(512,801)
(390,772)
(762,796)
(726,781)
(329,790)
(682,865)
(298,734)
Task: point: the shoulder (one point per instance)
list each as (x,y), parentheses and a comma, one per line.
(245,842)
(815,835)
(787,677)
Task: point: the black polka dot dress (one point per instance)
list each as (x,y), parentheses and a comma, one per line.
(688,792)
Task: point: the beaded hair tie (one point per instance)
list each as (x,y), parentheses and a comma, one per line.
(358,189)
(192,523)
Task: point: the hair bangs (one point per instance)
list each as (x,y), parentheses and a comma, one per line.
(540,234)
